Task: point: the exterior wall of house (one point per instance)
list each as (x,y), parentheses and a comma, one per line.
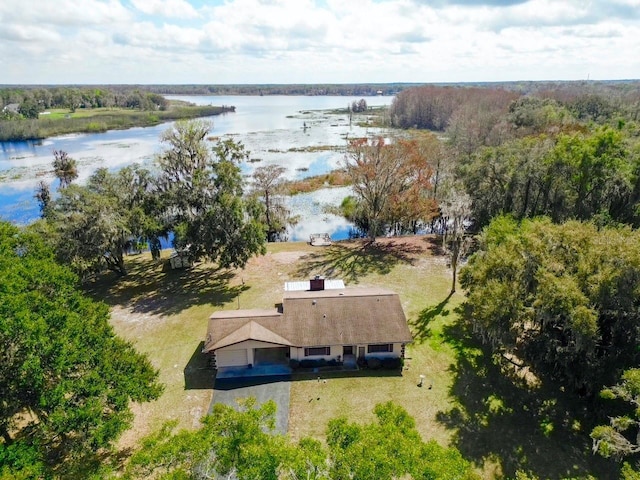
(396,352)
(232,354)
(337,351)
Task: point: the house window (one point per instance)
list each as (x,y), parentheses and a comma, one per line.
(380,347)
(312,351)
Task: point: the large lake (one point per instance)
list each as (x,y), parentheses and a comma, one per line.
(276,130)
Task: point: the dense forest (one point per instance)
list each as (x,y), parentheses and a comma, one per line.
(552,184)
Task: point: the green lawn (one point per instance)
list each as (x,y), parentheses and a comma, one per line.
(500,424)
(56,113)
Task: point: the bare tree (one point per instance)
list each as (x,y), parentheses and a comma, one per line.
(391,181)
(268,187)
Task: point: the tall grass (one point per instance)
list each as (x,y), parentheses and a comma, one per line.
(35,129)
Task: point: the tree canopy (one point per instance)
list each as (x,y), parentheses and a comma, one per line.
(562,298)
(391,182)
(93,225)
(66,379)
(197,195)
(201,196)
(65,168)
(242,443)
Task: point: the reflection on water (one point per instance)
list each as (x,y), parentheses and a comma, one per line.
(285,130)
(315,219)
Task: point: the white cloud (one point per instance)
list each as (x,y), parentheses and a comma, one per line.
(147,35)
(293,41)
(166,8)
(29,34)
(64,13)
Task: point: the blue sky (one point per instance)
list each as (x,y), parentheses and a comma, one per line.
(325,41)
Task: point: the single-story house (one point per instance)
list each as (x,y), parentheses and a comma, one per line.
(11,108)
(313,322)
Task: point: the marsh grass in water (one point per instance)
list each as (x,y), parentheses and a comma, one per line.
(97,120)
(336,178)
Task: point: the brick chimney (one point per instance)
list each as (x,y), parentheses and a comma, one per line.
(316,283)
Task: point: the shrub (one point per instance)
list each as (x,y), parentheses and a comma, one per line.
(374,363)
(391,363)
(294,364)
(362,362)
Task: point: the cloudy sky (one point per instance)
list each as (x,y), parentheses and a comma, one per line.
(321,41)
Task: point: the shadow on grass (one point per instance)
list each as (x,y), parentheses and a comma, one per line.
(153,288)
(241,382)
(352,260)
(421,326)
(435,244)
(226,384)
(198,374)
(500,417)
(347,374)
(86,466)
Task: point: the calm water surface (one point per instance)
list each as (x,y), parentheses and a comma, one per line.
(269,126)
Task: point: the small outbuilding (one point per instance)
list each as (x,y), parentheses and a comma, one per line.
(179,260)
(320,239)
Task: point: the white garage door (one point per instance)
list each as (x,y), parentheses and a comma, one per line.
(231,358)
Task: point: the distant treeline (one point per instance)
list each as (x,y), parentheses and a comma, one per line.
(297,89)
(119,93)
(440,107)
(29,101)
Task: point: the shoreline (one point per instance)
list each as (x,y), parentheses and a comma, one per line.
(104,120)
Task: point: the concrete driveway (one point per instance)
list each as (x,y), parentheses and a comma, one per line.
(277,388)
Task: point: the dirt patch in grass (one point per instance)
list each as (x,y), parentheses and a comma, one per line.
(287,258)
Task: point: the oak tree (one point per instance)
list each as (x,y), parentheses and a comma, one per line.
(67,380)
(202,196)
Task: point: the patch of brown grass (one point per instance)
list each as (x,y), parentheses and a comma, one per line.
(336,178)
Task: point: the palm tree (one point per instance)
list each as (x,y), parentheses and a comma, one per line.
(65,168)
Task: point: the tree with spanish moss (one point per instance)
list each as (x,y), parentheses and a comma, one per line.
(201,192)
(65,168)
(268,186)
(561,298)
